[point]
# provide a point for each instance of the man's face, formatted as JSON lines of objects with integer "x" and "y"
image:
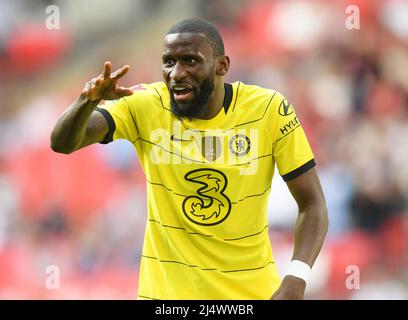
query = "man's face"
{"x": 188, "y": 70}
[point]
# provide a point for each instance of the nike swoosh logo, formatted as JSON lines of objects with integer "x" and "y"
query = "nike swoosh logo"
{"x": 173, "y": 138}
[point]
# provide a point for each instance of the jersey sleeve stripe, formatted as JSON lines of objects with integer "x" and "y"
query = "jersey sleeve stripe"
{"x": 236, "y": 97}
{"x": 227, "y": 97}
{"x": 252, "y": 121}
{"x": 298, "y": 126}
{"x": 299, "y": 171}
{"x": 134, "y": 122}
{"x": 161, "y": 101}
{"x": 111, "y": 123}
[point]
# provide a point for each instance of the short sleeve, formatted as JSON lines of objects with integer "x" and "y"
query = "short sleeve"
{"x": 121, "y": 121}
{"x": 291, "y": 149}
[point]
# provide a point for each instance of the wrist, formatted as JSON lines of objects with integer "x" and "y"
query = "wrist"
{"x": 299, "y": 270}
{"x": 85, "y": 100}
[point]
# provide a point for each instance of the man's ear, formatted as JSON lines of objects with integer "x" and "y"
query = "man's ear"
{"x": 223, "y": 63}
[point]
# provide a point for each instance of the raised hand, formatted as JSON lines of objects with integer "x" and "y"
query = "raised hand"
{"x": 105, "y": 86}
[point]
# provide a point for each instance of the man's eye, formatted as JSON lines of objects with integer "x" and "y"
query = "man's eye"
{"x": 169, "y": 63}
{"x": 191, "y": 60}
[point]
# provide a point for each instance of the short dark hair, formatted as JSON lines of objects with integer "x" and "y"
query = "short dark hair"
{"x": 201, "y": 26}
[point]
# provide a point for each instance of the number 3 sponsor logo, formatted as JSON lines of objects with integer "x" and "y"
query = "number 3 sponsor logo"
{"x": 209, "y": 206}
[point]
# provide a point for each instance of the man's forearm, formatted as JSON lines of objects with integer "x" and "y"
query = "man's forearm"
{"x": 70, "y": 130}
{"x": 310, "y": 231}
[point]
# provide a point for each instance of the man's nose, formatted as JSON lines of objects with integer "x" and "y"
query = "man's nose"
{"x": 178, "y": 72}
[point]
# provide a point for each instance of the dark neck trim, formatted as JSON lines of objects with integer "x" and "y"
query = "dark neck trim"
{"x": 227, "y": 97}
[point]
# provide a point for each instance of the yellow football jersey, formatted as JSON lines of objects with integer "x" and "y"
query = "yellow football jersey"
{"x": 208, "y": 184}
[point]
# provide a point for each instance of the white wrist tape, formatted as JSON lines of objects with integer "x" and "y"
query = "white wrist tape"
{"x": 299, "y": 269}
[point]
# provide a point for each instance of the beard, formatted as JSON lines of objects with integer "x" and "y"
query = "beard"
{"x": 198, "y": 106}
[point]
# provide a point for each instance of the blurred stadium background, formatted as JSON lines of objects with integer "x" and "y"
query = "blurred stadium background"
{"x": 85, "y": 212}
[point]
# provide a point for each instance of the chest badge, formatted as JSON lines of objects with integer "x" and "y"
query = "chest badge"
{"x": 239, "y": 145}
{"x": 211, "y": 147}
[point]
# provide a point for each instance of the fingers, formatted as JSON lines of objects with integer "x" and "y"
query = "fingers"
{"x": 105, "y": 84}
{"x": 107, "y": 69}
{"x": 120, "y": 73}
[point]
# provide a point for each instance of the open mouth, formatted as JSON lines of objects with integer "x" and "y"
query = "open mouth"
{"x": 182, "y": 92}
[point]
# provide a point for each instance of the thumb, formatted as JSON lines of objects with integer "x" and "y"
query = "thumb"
{"x": 122, "y": 91}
